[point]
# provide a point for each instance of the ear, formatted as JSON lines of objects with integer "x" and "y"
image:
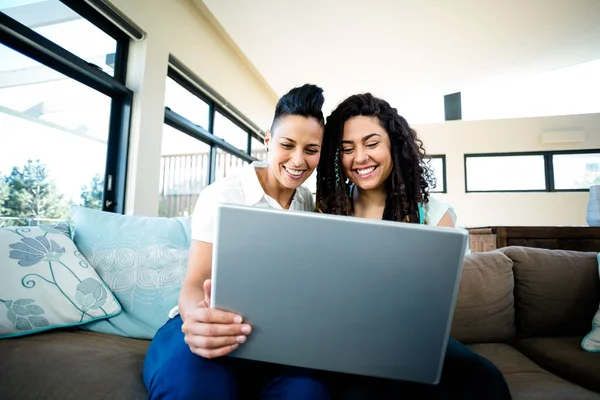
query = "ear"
{"x": 267, "y": 139}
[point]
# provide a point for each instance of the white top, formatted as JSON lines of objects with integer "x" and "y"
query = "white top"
{"x": 435, "y": 210}
{"x": 240, "y": 189}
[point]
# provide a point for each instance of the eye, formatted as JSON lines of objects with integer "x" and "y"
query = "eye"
{"x": 311, "y": 151}
{"x": 287, "y": 146}
{"x": 372, "y": 145}
{"x": 347, "y": 150}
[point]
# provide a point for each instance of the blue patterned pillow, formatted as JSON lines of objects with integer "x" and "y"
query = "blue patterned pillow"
{"x": 142, "y": 260}
{"x": 47, "y": 283}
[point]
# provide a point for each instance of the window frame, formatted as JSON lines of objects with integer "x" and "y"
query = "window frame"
{"x": 191, "y": 83}
{"x": 548, "y": 169}
{"x": 24, "y": 40}
{"x": 444, "y": 180}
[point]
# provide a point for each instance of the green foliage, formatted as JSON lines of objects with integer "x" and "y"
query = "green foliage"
{"x": 92, "y": 195}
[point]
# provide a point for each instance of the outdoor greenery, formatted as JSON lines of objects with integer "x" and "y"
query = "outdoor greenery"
{"x": 29, "y": 192}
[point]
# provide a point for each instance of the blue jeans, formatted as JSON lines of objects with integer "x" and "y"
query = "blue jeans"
{"x": 172, "y": 371}
{"x": 465, "y": 376}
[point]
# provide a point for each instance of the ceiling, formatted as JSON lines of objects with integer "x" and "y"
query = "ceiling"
{"x": 407, "y": 51}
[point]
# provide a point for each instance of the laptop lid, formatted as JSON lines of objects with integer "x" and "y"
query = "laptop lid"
{"x": 338, "y": 293}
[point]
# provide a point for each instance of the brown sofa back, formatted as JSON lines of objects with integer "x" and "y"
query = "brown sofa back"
{"x": 484, "y": 309}
{"x": 556, "y": 292}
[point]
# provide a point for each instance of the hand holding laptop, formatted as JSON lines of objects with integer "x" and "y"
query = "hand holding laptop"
{"x": 212, "y": 333}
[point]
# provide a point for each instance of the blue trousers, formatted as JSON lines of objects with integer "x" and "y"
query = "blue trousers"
{"x": 465, "y": 376}
{"x": 173, "y": 372}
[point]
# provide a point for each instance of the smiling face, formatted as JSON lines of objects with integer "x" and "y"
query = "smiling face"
{"x": 366, "y": 153}
{"x": 294, "y": 149}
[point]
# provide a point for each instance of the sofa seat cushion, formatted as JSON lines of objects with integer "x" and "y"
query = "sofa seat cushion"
{"x": 72, "y": 364}
{"x": 527, "y": 380}
{"x": 564, "y": 357}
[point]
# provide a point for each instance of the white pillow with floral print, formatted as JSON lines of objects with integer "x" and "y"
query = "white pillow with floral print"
{"x": 46, "y": 282}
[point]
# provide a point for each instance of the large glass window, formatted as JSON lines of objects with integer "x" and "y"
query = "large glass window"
{"x": 505, "y": 173}
{"x": 195, "y": 152}
{"x": 63, "y": 123}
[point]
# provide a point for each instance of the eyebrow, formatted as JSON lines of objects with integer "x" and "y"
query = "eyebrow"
{"x": 364, "y": 139}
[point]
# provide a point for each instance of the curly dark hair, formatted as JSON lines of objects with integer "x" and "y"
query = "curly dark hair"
{"x": 410, "y": 178}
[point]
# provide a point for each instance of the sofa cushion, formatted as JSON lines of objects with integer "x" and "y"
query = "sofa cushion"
{"x": 142, "y": 260}
{"x": 46, "y": 283}
{"x": 484, "y": 309}
{"x": 72, "y": 364}
{"x": 528, "y": 381}
{"x": 564, "y": 357}
{"x": 556, "y": 292}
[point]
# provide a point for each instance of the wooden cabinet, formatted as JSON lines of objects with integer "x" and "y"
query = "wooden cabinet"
{"x": 579, "y": 238}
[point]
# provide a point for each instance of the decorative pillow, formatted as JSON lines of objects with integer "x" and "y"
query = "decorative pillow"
{"x": 591, "y": 342}
{"x": 142, "y": 260}
{"x": 47, "y": 283}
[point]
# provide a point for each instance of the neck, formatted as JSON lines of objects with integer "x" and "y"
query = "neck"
{"x": 369, "y": 203}
{"x": 273, "y": 188}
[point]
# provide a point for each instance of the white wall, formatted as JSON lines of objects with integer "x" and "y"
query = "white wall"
{"x": 456, "y": 138}
{"x": 178, "y": 27}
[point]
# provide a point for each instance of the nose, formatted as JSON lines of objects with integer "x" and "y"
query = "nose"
{"x": 297, "y": 158}
{"x": 361, "y": 155}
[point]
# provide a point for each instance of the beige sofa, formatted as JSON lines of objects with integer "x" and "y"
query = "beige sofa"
{"x": 525, "y": 309}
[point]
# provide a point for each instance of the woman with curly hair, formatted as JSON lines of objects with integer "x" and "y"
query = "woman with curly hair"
{"x": 373, "y": 165}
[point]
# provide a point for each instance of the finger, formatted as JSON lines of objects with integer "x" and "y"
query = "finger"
{"x": 208, "y": 343}
{"x": 207, "y": 290}
{"x": 202, "y": 329}
{"x": 213, "y": 353}
{"x": 213, "y": 316}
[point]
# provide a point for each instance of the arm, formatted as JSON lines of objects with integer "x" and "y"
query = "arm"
{"x": 198, "y": 270}
{"x": 447, "y": 220}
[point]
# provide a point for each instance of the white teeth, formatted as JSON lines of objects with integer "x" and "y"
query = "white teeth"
{"x": 365, "y": 171}
{"x": 293, "y": 172}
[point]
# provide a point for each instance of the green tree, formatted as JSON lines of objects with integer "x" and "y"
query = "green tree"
{"x": 32, "y": 194}
{"x": 92, "y": 195}
{"x": 3, "y": 194}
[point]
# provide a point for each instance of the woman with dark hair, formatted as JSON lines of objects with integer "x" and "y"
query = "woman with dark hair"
{"x": 373, "y": 165}
{"x": 187, "y": 357}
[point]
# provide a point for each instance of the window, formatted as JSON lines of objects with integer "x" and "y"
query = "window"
{"x": 549, "y": 171}
{"x": 184, "y": 168}
{"x": 228, "y": 164}
{"x": 64, "y": 122}
{"x": 576, "y": 170}
{"x": 196, "y": 152}
{"x": 230, "y": 132}
{"x": 60, "y": 24}
{"x": 438, "y": 166}
{"x": 505, "y": 173}
{"x": 258, "y": 149}
{"x": 186, "y": 104}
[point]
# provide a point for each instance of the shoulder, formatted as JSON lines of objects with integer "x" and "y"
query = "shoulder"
{"x": 435, "y": 210}
{"x": 304, "y": 198}
{"x": 224, "y": 189}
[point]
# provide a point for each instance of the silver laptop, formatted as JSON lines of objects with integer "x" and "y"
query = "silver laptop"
{"x": 337, "y": 293}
